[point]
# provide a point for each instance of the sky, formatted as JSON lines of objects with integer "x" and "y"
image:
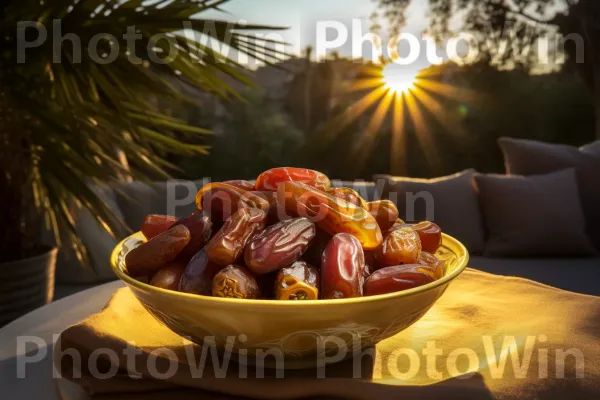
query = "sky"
{"x": 302, "y": 16}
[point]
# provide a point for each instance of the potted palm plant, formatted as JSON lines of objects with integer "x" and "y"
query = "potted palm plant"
{"x": 72, "y": 109}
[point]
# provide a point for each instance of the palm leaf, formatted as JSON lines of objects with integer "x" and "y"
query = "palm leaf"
{"x": 79, "y": 113}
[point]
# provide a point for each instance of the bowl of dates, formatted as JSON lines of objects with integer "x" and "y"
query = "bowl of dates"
{"x": 288, "y": 264}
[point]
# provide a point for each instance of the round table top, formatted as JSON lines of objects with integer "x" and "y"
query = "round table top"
{"x": 42, "y": 326}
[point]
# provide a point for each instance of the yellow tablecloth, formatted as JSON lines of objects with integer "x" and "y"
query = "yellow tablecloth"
{"x": 488, "y": 337}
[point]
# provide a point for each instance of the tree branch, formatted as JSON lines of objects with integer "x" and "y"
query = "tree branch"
{"x": 531, "y": 17}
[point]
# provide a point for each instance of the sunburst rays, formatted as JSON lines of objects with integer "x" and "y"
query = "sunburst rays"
{"x": 410, "y": 100}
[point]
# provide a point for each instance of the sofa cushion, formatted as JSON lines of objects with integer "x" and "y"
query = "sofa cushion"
{"x": 450, "y": 201}
{"x": 592, "y": 148}
{"x": 528, "y": 157}
{"x": 574, "y": 274}
{"x": 535, "y": 216}
{"x": 138, "y": 199}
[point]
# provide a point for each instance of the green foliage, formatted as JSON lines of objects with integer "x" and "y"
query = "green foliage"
{"x": 483, "y": 105}
{"x": 64, "y": 124}
{"x": 505, "y": 31}
{"x": 255, "y": 136}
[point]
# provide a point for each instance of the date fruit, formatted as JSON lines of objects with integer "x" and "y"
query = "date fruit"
{"x": 237, "y": 282}
{"x": 270, "y": 197}
{"x": 198, "y": 275}
{"x": 154, "y": 225}
{"x": 200, "y": 227}
{"x": 269, "y": 180}
{"x": 430, "y": 234}
{"x": 279, "y": 245}
{"x": 241, "y": 184}
{"x": 399, "y": 224}
{"x": 222, "y": 200}
{"x": 384, "y": 212}
{"x": 395, "y": 279}
{"x": 168, "y": 277}
{"x": 437, "y": 267}
{"x": 402, "y": 246}
{"x": 342, "y": 268}
{"x": 350, "y": 195}
{"x": 330, "y": 213}
{"x": 157, "y": 252}
{"x": 299, "y": 281}
{"x": 228, "y": 244}
{"x": 275, "y": 213}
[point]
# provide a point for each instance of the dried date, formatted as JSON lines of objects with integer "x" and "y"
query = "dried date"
{"x": 228, "y": 244}
{"x": 157, "y": 252}
{"x": 279, "y": 245}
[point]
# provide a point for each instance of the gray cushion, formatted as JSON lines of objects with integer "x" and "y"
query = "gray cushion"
{"x": 592, "y": 148}
{"x": 138, "y": 199}
{"x": 577, "y": 275}
{"x": 539, "y": 215}
{"x": 527, "y": 157}
{"x": 450, "y": 201}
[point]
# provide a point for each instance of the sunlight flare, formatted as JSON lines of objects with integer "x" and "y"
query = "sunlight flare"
{"x": 398, "y": 78}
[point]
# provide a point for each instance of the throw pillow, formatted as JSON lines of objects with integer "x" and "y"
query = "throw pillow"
{"x": 449, "y": 201}
{"x": 592, "y": 148}
{"x": 528, "y": 157}
{"x": 535, "y": 216}
{"x": 138, "y": 199}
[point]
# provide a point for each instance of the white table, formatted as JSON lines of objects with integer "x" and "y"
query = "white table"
{"x": 44, "y": 323}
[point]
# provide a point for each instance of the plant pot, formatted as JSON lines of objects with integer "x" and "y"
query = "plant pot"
{"x": 26, "y": 285}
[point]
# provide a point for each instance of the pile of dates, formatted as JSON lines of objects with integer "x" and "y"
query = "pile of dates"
{"x": 289, "y": 236}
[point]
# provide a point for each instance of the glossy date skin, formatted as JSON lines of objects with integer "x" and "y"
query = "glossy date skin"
{"x": 430, "y": 235}
{"x": 350, "y": 195}
{"x": 399, "y": 224}
{"x": 275, "y": 213}
{"x": 237, "y": 282}
{"x": 299, "y": 281}
{"x": 154, "y": 225}
{"x": 200, "y": 226}
{"x": 332, "y": 214}
{"x": 269, "y": 180}
{"x": 198, "y": 275}
{"x": 168, "y": 277}
{"x": 149, "y": 257}
{"x": 396, "y": 278}
{"x": 241, "y": 184}
{"x": 279, "y": 245}
{"x": 402, "y": 246}
{"x": 342, "y": 268}
{"x": 436, "y": 266}
{"x": 384, "y": 212}
{"x": 222, "y": 200}
{"x": 228, "y": 244}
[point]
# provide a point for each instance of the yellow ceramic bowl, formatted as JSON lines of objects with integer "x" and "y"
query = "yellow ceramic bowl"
{"x": 298, "y": 331}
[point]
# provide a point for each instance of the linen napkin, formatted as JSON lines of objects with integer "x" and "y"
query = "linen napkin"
{"x": 487, "y": 337}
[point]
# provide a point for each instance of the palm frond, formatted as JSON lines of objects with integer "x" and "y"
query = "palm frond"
{"x": 81, "y": 110}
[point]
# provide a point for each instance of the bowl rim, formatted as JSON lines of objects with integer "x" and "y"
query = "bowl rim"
{"x": 457, "y": 248}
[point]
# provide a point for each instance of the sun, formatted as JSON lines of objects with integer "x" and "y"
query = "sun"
{"x": 399, "y": 78}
